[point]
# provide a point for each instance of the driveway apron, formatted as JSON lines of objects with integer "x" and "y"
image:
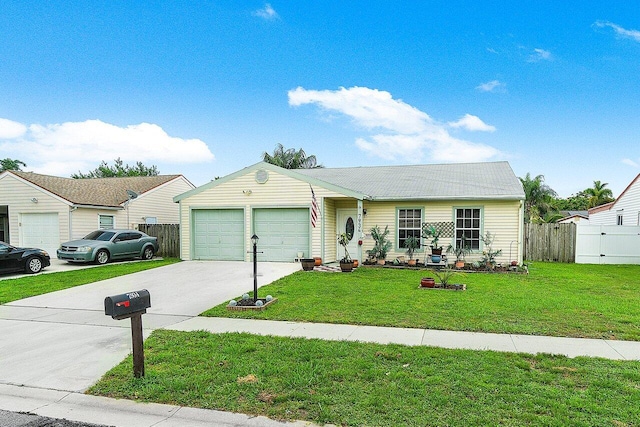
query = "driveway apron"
{"x": 64, "y": 341}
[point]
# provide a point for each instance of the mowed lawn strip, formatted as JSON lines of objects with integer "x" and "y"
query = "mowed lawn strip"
{"x": 347, "y": 383}
{"x": 24, "y": 287}
{"x": 568, "y": 300}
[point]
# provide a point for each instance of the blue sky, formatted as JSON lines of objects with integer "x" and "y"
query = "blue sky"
{"x": 203, "y": 88}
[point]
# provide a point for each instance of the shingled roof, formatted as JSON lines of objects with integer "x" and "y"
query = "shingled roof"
{"x": 110, "y": 192}
{"x": 461, "y": 181}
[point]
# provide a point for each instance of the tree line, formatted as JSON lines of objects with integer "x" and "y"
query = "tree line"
{"x": 542, "y": 203}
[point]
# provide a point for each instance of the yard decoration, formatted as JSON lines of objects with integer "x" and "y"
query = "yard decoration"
{"x": 427, "y": 282}
{"x": 346, "y": 263}
{"x": 431, "y": 232}
{"x": 461, "y": 250}
{"x": 382, "y": 244}
{"x": 444, "y": 276}
{"x": 411, "y": 243}
{"x": 489, "y": 255}
{"x": 308, "y": 264}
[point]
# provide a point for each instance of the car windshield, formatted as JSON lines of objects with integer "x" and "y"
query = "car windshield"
{"x": 99, "y": 235}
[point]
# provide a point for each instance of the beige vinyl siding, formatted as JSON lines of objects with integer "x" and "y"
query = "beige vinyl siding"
{"x": 280, "y": 191}
{"x": 17, "y": 195}
{"x": 86, "y": 220}
{"x": 157, "y": 203}
{"x": 330, "y": 233}
{"x": 499, "y": 217}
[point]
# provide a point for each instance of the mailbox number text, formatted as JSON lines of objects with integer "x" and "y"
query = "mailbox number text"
{"x": 133, "y": 295}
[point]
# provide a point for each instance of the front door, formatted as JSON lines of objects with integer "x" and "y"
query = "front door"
{"x": 347, "y": 224}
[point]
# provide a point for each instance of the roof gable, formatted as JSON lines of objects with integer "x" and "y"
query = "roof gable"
{"x": 610, "y": 205}
{"x": 111, "y": 192}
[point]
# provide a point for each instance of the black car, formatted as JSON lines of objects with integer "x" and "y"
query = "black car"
{"x": 29, "y": 260}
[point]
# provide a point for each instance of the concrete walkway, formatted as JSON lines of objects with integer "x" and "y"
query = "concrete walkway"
{"x": 570, "y": 347}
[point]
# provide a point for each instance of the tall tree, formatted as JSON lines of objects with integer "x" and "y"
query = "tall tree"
{"x": 118, "y": 170}
{"x": 538, "y": 197}
{"x": 290, "y": 158}
{"x": 11, "y": 164}
{"x": 598, "y": 194}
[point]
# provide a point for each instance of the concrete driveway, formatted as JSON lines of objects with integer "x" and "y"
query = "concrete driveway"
{"x": 64, "y": 341}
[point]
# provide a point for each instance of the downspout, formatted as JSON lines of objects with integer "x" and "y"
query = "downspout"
{"x": 359, "y": 230}
{"x": 521, "y": 234}
{"x": 71, "y": 210}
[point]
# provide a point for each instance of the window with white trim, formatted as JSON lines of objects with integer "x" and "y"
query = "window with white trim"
{"x": 619, "y": 219}
{"x": 106, "y": 222}
{"x": 409, "y": 224}
{"x": 468, "y": 225}
{"x": 150, "y": 220}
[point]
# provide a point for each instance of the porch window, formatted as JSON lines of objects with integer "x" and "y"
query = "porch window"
{"x": 106, "y": 222}
{"x": 409, "y": 224}
{"x": 468, "y": 225}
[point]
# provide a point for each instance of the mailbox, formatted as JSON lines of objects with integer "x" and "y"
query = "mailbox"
{"x": 127, "y": 305}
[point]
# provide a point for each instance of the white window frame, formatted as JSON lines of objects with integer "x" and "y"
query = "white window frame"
{"x": 150, "y": 219}
{"x": 619, "y": 219}
{"x": 113, "y": 221}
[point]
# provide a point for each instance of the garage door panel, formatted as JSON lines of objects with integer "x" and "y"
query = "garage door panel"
{"x": 219, "y": 234}
{"x": 282, "y": 232}
{"x": 40, "y": 230}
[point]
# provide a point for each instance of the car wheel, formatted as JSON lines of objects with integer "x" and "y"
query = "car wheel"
{"x": 147, "y": 253}
{"x": 102, "y": 257}
{"x": 33, "y": 265}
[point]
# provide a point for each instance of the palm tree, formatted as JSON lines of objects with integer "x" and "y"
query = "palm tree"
{"x": 11, "y": 164}
{"x": 538, "y": 197}
{"x": 290, "y": 158}
{"x": 599, "y": 195}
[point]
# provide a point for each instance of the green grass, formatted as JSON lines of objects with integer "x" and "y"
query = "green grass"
{"x": 348, "y": 383}
{"x": 24, "y": 287}
{"x": 571, "y": 300}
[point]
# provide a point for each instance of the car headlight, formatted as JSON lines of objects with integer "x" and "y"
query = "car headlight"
{"x": 87, "y": 249}
{"x": 45, "y": 253}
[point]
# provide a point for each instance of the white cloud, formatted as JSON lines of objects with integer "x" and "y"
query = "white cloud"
{"x": 399, "y": 129}
{"x": 540, "y": 55}
{"x": 267, "y": 12}
{"x": 622, "y": 32}
{"x": 472, "y": 123}
{"x": 63, "y": 149}
{"x": 492, "y": 86}
{"x": 630, "y": 163}
{"x": 10, "y": 129}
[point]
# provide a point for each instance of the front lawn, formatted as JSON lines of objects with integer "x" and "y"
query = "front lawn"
{"x": 571, "y": 300}
{"x": 29, "y": 286}
{"x": 347, "y": 383}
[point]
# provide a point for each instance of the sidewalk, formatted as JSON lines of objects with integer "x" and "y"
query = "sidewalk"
{"x": 570, "y": 347}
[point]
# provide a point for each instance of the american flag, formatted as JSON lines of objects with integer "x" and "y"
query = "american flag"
{"x": 314, "y": 208}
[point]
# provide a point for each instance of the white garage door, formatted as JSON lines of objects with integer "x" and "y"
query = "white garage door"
{"x": 282, "y": 233}
{"x": 218, "y": 234}
{"x": 40, "y": 230}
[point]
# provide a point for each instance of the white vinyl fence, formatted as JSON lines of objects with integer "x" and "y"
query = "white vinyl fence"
{"x": 607, "y": 244}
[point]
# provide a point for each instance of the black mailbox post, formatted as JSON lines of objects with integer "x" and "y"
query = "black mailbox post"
{"x": 131, "y": 305}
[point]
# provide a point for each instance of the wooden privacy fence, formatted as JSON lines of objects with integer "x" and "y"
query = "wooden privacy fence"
{"x": 168, "y": 238}
{"x": 550, "y": 242}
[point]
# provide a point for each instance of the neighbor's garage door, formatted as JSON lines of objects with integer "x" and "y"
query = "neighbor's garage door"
{"x": 40, "y": 230}
{"x": 282, "y": 233}
{"x": 218, "y": 234}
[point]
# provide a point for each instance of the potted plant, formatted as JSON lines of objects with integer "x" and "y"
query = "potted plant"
{"x": 461, "y": 250}
{"x": 381, "y": 246}
{"x": 346, "y": 263}
{"x": 308, "y": 264}
{"x": 411, "y": 243}
{"x": 489, "y": 255}
{"x": 431, "y": 232}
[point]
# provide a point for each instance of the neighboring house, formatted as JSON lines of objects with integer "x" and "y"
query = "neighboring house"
{"x": 625, "y": 210}
{"x": 43, "y": 211}
{"x": 218, "y": 219}
{"x": 575, "y": 217}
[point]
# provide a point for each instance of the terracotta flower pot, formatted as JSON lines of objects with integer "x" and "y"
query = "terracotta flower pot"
{"x": 318, "y": 261}
{"x": 355, "y": 263}
{"x": 381, "y": 262}
{"x": 428, "y": 282}
{"x": 412, "y": 262}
